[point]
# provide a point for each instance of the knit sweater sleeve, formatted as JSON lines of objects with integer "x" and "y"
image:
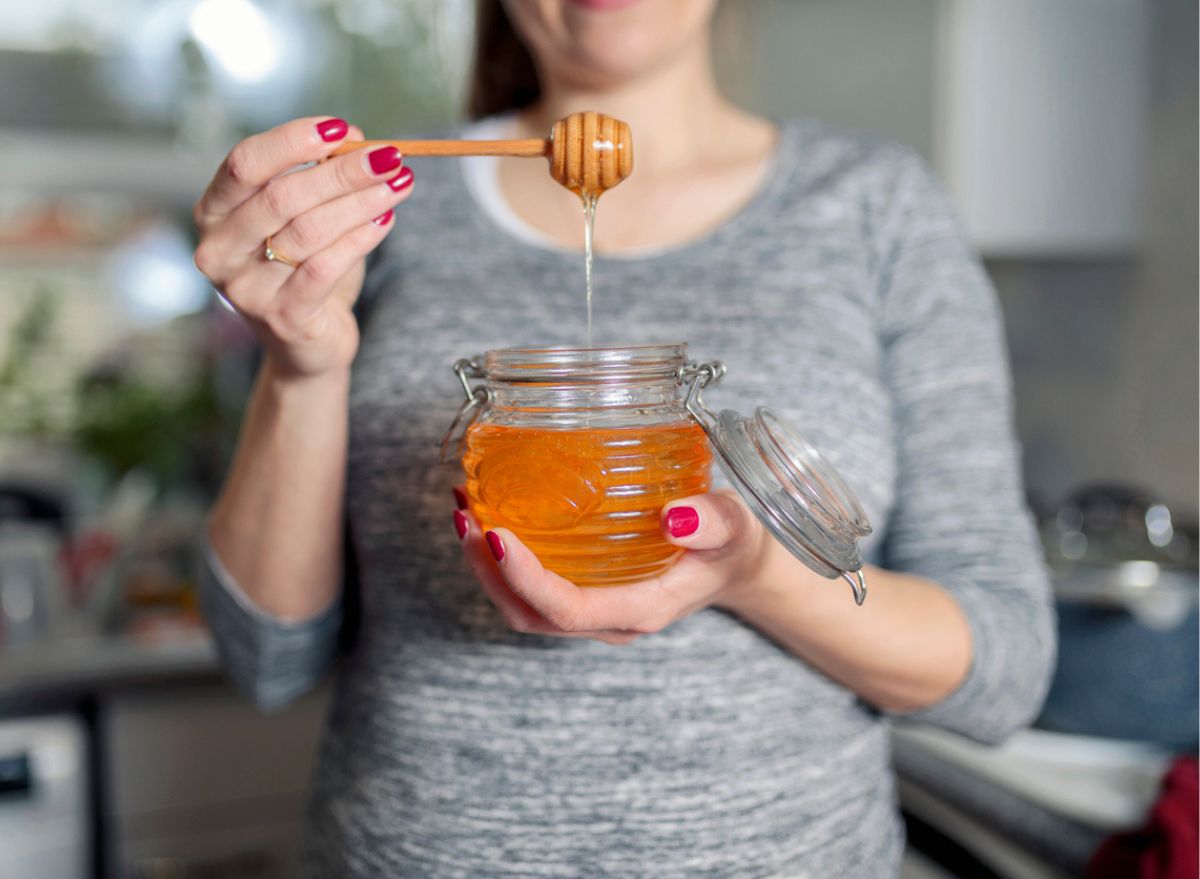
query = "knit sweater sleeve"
{"x": 960, "y": 517}
{"x": 270, "y": 660}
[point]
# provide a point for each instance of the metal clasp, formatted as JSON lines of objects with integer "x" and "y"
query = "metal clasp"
{"x": 476, "y": 397}
{"x": 702, "y": 376}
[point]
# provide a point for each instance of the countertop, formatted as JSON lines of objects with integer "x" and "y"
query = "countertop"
{"x": 63, "y": 669}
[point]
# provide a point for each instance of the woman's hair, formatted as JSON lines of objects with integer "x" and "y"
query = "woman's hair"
{"x": 503, "y": 76}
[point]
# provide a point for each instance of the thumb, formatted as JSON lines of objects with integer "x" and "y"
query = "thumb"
{"x": 707, "y": 521}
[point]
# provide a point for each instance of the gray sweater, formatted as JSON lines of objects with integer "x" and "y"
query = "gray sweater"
{"x": 844, "y": 296}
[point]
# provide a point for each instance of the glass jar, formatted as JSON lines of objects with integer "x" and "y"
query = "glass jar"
{"x": 576, "y": 451}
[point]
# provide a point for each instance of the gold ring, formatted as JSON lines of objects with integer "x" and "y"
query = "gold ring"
{"x": 274, "y": 255}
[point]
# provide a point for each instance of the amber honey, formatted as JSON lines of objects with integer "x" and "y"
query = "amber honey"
{"x": 586, "y": 501}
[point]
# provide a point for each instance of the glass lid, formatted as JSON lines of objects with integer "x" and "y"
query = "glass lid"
{"x": 795, "y": 492}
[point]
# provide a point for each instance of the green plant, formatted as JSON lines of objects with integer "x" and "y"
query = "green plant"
{"x": 124, "y": 422}
{"x": 26, "y": 406}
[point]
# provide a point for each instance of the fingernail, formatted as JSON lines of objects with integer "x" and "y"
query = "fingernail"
{"x": 332, "y": 129}
{"x": 384, "y": 218}
{"x": 460, "y": 524}
{"x": 460, "y": 499}
{"x": 403, "y": 180}
{"x": 496, "y": 545}
{"x": 682, "y": 521}
{"x": 384, "y": 159}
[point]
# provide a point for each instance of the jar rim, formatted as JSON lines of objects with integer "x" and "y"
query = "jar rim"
{"x": 618, "y": 364}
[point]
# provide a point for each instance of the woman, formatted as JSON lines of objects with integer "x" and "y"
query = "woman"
{"x": 730, "y": 718}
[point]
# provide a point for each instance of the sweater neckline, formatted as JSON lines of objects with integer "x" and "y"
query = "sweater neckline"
{"x": 495, "y": 218}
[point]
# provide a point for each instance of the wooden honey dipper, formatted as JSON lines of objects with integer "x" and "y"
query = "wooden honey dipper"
{"x": 588, "y": 152}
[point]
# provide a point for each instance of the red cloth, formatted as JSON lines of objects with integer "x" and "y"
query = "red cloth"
{"x": 1167, "y": 847}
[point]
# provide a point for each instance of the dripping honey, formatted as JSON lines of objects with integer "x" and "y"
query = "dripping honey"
{"x": 589, "y": 233}
{"x": 595, "y": 157}
{"x": 586, "y": 502}
{"x": 589, "y": 199}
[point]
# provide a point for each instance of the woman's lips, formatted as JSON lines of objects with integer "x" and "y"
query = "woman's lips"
{"x": 600, "y": 5}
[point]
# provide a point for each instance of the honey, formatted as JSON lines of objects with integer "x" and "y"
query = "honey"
{"x": 587, "y": 501}
{"x": 589, "y": 233}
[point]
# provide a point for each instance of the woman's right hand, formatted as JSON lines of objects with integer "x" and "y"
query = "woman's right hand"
{"x": 325, "y": 218}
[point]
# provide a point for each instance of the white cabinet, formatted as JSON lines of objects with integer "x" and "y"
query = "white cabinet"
{"x": 200, "y": 782}
{"x": 1039, "y": 122}
{"x": 1032, "y": 111}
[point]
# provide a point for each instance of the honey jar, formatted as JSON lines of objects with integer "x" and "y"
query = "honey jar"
{"x": 577, "y": 450}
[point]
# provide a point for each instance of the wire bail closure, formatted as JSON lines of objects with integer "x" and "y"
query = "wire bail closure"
{"x": 476, "y": 396}
{"x": 703, "y": 375}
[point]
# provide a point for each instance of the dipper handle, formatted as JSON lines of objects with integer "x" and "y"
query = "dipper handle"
{"x": 522, "y": 148}
{"x": 588, "y": 152}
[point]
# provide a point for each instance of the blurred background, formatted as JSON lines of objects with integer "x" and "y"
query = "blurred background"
{"x": 1067, "y": 133}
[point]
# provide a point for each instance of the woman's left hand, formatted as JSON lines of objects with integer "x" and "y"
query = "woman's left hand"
{"x": 728, "y": 551}
{"x": 907, "y": 649}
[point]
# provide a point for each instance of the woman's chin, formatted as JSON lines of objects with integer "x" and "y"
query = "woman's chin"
{"x": 612, "y": 62}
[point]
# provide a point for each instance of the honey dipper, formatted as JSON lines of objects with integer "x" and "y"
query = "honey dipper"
{"x": 588, "y": 152}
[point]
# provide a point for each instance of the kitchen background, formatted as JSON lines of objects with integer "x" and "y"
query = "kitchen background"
{"x": 1067, "y": 131}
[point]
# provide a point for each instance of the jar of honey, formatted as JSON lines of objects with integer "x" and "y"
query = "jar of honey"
{"x": 577, "y": 450}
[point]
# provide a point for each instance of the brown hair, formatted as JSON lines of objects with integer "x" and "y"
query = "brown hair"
{"x": 503, "y": 76}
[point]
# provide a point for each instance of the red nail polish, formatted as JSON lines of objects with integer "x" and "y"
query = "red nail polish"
{"x": 403, "y": 180}
{"x": 496, "y": 545}
{"x": 460, "y": 524}
{"x": 384, "y": 218}
{"x": 460, "y": 499}
{"x": 682, "y": 521}
{"x": 332, "y": 129}
{"x": 384, "y": 159}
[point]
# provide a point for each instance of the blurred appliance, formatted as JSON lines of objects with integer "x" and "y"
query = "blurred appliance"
{"x": 1128, "y": 594}
{"x": 44, "y": 798}
{"x": 1036, "y": 807}
{"x": 30, "y": 589}
{"x": 31, "y": 531}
